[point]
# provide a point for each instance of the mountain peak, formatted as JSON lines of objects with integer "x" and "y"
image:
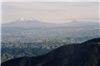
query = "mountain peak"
{"x": 21, "y": 19}
{"x": 27, "y": 20}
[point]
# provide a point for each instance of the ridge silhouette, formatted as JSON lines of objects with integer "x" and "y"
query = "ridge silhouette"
{"x": 83, "y": 54}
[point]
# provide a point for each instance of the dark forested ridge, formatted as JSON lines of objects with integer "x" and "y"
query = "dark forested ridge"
{"x": 84, "y": 54}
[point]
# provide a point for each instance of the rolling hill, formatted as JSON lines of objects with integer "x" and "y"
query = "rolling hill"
{"x": 68, "y": 55}
{"x": 33, "y": 30}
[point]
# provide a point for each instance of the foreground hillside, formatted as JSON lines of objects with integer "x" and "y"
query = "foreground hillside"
{"x": 84, "y": 54}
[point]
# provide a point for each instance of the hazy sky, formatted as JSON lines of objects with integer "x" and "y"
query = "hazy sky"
{"x": 51, "y": 0}
{"x": 52, "y": 12}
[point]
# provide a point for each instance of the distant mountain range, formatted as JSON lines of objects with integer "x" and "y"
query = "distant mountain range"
{"x": 37, "y": 24}
{"x": 85, "y": 54}
{"x": 30, "y": 30}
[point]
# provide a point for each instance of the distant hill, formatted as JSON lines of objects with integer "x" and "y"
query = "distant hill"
{"x": 68, "y": 55}
{"x": 28, "y": 31}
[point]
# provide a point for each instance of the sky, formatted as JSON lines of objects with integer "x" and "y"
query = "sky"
{"x": 51, "y": 0}
{"x": 51, "y": 12}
